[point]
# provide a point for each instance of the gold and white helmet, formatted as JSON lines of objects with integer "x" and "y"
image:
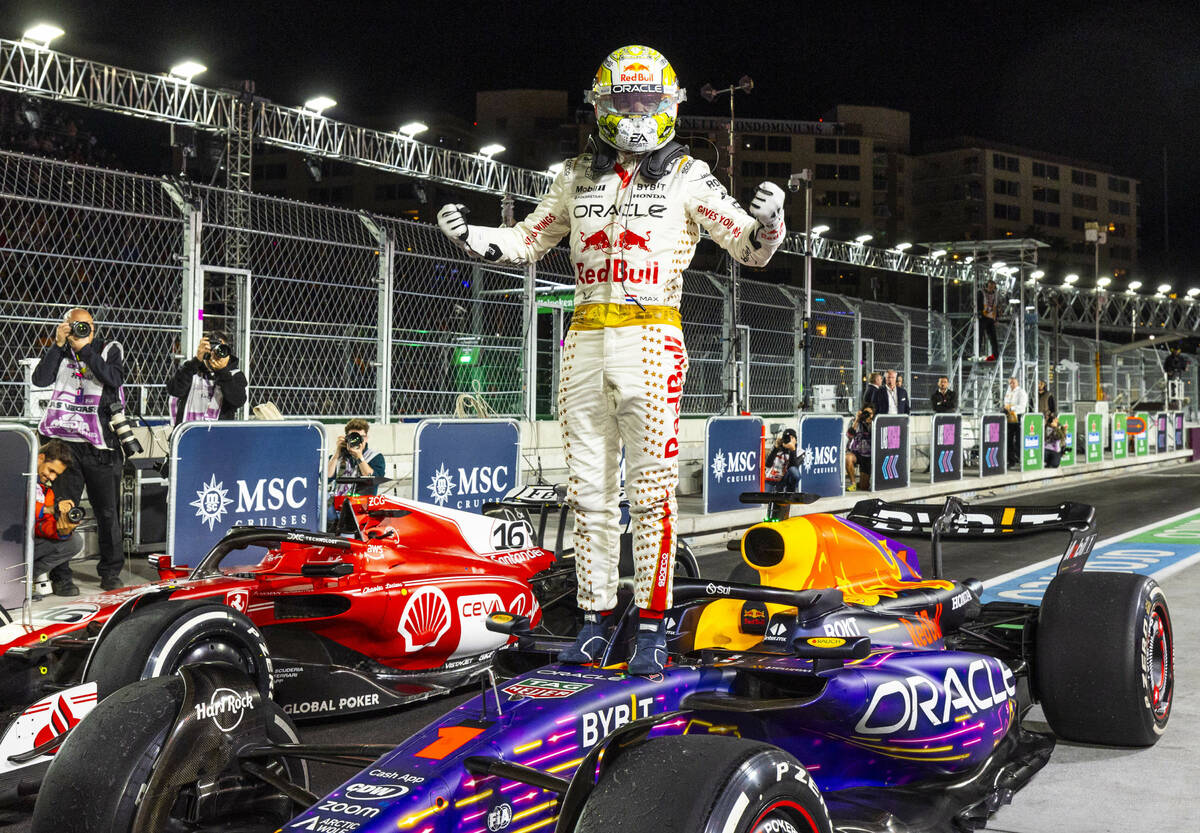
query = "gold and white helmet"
{"x": 636, "y": 96}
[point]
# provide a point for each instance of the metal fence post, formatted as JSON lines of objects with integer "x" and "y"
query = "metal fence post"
{"x": 192, "y": 275}
{"x": 383, "y": 342}
{"x": 858, "y": 354}
{"x": 907, "y": 347}
{"x": 529, "y": 330}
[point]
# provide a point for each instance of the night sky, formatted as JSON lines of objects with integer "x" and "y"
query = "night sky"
{"x": 1114, "y": 84}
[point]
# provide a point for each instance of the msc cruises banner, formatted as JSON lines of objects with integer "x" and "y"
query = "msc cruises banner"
{"x": 18, "y": 472}
{"x": 1094, "y": 441}
{"x": 992, "y": 456}
{"x": 945, "y": 458}
{"x": 465, "y": 463}
{"x": 1032, "y": 437}
{"x": 1067, "y": 421}
{"x": 732, "y": 461}
{"x": 889, "y": 452}
{"x": 822, "y": 439}
{"x": 227, "y": 474}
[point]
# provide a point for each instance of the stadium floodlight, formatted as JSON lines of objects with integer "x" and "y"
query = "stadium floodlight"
{"x": 1164, "y": 288}
{"x": 41, "y": 34}
{"x": 1135, "y": 285}
{"x": 862, "y": 239}
{"x": 903, "y": 247}
{"x": 969, "y": 259}
{"x": 412, "y": 128}
{"x": 817, "y": 231}
{"x": 319, "y": 104}
{"x": 1103, "y": 282}
{"x": 556, "y": 168}
{"x": 1193, "y": 292}
{"x": 937, "y": 254}
{"x": 1036, "y": 274}
{"x": 491, "y": 150}
{"x": 997, "y": 265}
{"x": 186, "y": 71}
{"x": 1070, "y": 279}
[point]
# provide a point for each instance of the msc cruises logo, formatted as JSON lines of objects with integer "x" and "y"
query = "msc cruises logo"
{"x": 211, "y": 500}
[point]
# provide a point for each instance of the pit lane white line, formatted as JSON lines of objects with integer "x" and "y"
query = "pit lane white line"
{"x": 1174, "y": 568}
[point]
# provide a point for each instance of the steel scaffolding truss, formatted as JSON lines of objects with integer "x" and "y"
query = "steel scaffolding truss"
{"x": 1119, "y": 312}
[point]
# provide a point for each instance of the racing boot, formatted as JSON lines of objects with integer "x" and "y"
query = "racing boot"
{"x": 649, "y": 648}
{"x": 592, "y": 639}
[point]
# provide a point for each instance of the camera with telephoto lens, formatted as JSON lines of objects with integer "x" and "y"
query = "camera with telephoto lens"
{"x": 76, "y": 514}
{"x": 219, "y": 350}
{"x": 80, "y": 329}
{"x": 354, "y": 439}
{"x": 124, "y": 431}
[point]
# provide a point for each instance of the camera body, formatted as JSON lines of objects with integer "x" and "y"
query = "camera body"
{"x": 124, "y": 431}
{"x": 76, "y": 514}
{"x": 80, "y": 329}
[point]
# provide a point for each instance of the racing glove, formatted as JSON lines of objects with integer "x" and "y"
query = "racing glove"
{"x": 767, "y": 208}
{"x": 453, "y": 223}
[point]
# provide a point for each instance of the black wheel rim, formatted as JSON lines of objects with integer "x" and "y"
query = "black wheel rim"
{"x": 1161, "y": 666}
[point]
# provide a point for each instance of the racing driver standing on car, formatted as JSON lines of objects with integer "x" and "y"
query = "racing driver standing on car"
{"x": 633, "y": 206}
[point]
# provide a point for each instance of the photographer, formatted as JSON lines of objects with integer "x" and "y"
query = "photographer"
{"x": 208, "y": 386}
{"x": 87, "y": 413}
{"x": 352, "y": 457}
{"x": 783, "y": 468}
{"x": 858, "y": 449}
{"x": 55, "y": 541}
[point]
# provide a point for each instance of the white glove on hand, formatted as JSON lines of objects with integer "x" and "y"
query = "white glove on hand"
{"x": 452, "y": 221}
{"x": 767, "y": 208}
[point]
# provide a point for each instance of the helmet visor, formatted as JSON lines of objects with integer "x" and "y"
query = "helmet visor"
{"x": 634, "y": 103}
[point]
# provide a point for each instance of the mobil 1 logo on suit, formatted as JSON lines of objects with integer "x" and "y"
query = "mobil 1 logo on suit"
{"x": 463, "y": 464}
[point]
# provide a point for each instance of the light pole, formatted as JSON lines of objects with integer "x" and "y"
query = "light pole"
{"x": 805, "y": 178}
{"x": 739, "y": 399}
{"x": 1093, "y": 234}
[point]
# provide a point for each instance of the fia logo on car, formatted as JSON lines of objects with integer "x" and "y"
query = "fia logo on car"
{"x": 500, "y": 817}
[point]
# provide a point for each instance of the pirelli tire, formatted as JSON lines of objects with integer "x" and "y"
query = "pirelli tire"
{"x": 160, "y": 638}
{"x": 95, "y": 782}
{"x": 704, "y": 784}
{"x": 1106, "y": 658}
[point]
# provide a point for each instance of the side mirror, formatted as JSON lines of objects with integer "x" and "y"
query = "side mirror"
{"x": 326, "y": 569}
{"x": 161, "y": 562}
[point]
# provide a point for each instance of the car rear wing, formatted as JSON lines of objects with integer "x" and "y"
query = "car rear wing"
{"x": 962, "y": 521}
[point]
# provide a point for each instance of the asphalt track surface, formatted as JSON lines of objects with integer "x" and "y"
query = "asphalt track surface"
{"x": 1083, "y": 789}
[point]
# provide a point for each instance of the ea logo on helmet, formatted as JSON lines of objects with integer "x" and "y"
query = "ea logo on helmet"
{"x": 500, "y": 817}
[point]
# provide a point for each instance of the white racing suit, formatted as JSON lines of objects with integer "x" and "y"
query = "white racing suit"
{"x": 624, "y": 360}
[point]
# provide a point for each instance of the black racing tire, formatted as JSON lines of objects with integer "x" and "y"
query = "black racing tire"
{"x": 1105, "y": 658}
{"x": 159, "y": 639}
{"x": 743, "y": 573}
{"x": 94, "y": 783}
{"x": 704, "y": 784}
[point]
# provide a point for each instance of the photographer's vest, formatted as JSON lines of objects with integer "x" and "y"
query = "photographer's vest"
{"x": 73, "y": 413}
{"x": 348, "y": 468}
{"x": 203, "y": 402}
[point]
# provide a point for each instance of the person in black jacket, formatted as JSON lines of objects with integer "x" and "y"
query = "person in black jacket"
{"x": 209, "y": 386}
{"x": 944, "y": 400}
{"x": 891, "y": 398}
{"x": 86, "y": 374}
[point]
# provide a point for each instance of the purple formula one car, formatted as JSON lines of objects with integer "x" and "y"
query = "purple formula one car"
{"x": 842, "y": 692}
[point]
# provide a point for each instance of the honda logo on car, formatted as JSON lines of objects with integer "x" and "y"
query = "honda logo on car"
{"x": 375, "y": 792}
{"x": 902, "y": 702}
{"x": 597, "y": 724}
{"x": 225, "y": 708}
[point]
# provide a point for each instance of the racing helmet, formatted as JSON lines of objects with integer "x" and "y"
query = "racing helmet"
{"x": 636, "y": 96}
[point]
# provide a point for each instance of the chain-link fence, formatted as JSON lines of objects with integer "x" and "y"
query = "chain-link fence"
{"x": 343, "y": 314}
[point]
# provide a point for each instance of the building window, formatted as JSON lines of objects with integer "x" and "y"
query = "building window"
{"x": 1050, "y": 195}
{"x": 1002, "y": 211}
{"x": 1121, "y": 186}
{"x": 1049, "y": 219}
{"x": 1118, "y": 207}
{"x": 1077, "y": 223}
{"x": 1043, "y": 171}
{"x": 779, "y": 170}
{"x": 752, "y": 168}
{"x": 779, "y": 143}
{"x": 1008, "y": 187}
{"x": 1004, "y": 162}
{"x": 848, "y": 146}
{"x": 843, "y": 199}
{"x": 1118, "y": 230}
{"x": 1120, "y": 252}
{"x": 848, "y": 172}
{"x": 826, "y": 172}
{"x": 1085, "y": 201}
{"x": 1084, "y": 178}
{"x": 826, "y": 146}
{"x": 752, "y": 141}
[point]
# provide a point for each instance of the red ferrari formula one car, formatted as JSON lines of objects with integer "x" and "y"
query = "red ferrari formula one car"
{"x": 389, "y": 609}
